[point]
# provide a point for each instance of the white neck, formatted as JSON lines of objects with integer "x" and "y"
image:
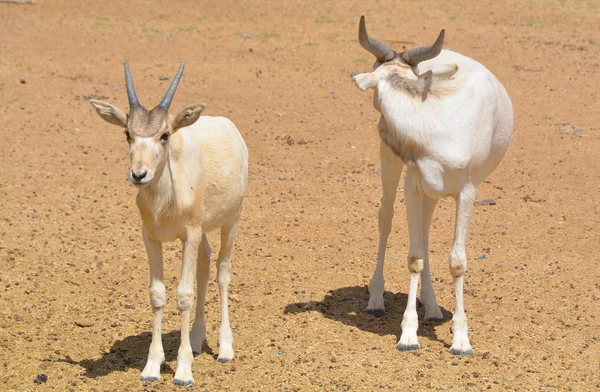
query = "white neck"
{"x": 159, "y": 196}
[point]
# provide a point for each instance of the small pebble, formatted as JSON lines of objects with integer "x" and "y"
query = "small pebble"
{"x": 164, "y": 77}
{"x": 486, "y": 202}
{"x": 573, "y": 129}
{"x": 40, "y": 378}
{"x": 246, "y": 35}
{"x": 83, "y": 323}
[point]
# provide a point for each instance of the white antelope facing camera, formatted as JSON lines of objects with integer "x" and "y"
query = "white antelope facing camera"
{"x": 449, "y": 121}
{"x": 191, "y": 173}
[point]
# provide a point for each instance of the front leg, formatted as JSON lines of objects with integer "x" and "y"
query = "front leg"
{"x": 458, "y": 267}
{"x": 156, "y": 355}
{"x": 391, "y": 167}
{"x": 185, "y": 297}
{"x": 413, "y": 195}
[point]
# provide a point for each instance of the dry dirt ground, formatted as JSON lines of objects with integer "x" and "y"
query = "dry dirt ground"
{"x": 73, "y": 273}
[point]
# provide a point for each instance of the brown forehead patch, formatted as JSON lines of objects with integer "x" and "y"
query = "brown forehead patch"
{"x": 146, "y": 123}
{"x": 398, "y": 61}
{"x": 395, "y": 61}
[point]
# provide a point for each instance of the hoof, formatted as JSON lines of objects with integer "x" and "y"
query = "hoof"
{"x": 224, "y": 360}
{"x": 183, "y": 383}
{"x": 376, "y": 312}
{"x": 411, "y": 347}
{"x": 454, "y": 351}
{"x": 435, "y": 320}
{"x": 148, "y": 379}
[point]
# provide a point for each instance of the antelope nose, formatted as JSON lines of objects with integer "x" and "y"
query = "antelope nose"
{"x": 138, "y": 176}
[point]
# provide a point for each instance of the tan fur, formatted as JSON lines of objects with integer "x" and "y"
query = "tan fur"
{"x": 190, "y": 183}
{"x": 197, "y": 202}
{"x": 438, "y": 83}
{"x": 187, "y": 116}
{"x": 424, "y": 87}
{"x": 415, "y": 264}
{"x": 109, "y": 113}
{"x": 405, "y": 148}
{"x": 175, "y": 146}
{"x": 146, "y": 123}
{"x": 396, "y": 62}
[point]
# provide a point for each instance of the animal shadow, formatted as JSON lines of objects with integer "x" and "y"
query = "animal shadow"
{"x": 347, "y": 305}
{"x": 132, "y": 352}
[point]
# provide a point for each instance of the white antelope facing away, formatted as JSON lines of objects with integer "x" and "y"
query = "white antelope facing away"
{"x": 449, "y": 120}
{"x": 191, "y": 173}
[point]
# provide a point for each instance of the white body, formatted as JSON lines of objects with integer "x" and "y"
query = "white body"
{"x": 199, "y": 189}
{"x": 451, "y": 138}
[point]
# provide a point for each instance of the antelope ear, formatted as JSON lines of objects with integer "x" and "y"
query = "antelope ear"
{"x": 445, "y": 71}
{"x": 110, "y": 113}
{"x": 365, "y": 81}
{"x": 187, "y": 116}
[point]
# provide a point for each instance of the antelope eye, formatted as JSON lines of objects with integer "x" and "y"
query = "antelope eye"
{"x": 127, "y": 135}
{"x": 164, "y": 137}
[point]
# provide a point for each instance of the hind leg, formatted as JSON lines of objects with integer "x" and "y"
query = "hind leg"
{"x": 427, "y": 295}
{"x": 228, "y": 233}
{"x": 198, "y": 335}
{"x": 391, "y": 168}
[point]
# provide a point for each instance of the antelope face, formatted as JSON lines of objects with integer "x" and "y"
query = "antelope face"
{"x": 390, "y": 62}
{"x": 395, "y": 66}
{"x": 148, "y": 131}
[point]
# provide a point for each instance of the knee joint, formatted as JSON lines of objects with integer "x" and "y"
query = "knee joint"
{"x": 157, "y": 294}
{"x": 458, "y": 266}
{"x": 385, "y": 215}
{"x": 415, "y": 264}
{"x": 223, "y": 279}
{"x": 184, "y": 299}
{"x": 224, "y": 272}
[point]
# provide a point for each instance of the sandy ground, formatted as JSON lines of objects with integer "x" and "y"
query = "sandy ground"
{"x": 70, "y": 247}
